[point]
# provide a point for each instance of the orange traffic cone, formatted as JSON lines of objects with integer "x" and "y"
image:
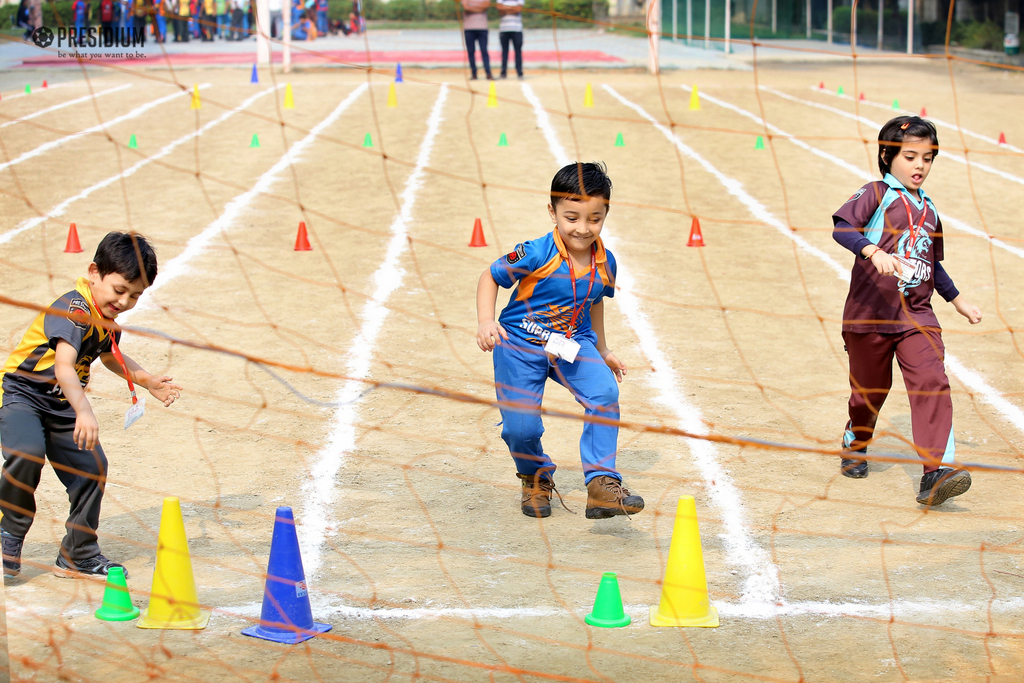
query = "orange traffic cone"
{"x": 862, "y": 98}
{"x": 302, "y": 239}
{"x": 73, "y": 246}
{"x": 1002, "y": 138}
{"x": 821, "y": 86}
{"x": 44, "y": 84}
{"x": 478, "y": 235}
{"x": 696, "y": 238}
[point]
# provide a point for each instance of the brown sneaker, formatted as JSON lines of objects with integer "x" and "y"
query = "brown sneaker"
{"x": 536, "y": 495}
{"x": 606, "y": 498}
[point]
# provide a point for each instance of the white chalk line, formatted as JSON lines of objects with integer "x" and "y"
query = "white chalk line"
{"x": 69, "y": 103}
{"x": 61, "y": 208}
{"x": 863, "y": 119}
{"x": 937, "y": 122}
{"x": 761, "y": 582}
{"x": 969, "y": 377}
{"x": 138, "y": 111}
{"x": 863, "y": 175}
{"x": 318, "y": 490}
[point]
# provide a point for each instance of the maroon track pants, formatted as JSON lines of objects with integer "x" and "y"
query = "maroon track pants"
{"x": 920, "y": 354}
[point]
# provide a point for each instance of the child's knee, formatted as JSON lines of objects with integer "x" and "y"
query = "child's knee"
{"x": 522, "y": 428}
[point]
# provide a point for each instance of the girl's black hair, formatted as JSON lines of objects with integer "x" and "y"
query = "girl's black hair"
{"x": 891, "y": 137}
{"x": 577, "y": 180}
{"x": 128, "y": 254}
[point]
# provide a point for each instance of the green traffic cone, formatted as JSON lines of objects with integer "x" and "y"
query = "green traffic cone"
{"x": 117, "y": 602}
{"x": 255, "y": 141}
{"x": 760, "y": 143}
{"x": 367, "y": 141}
{"x": 840, "y": 91}
{"x": 28, "y": 89}
{"x": 608, "y": 611}
{"x": 619, "y": 142}
{"x": 132, "y": 143}
{"x": 895, "y": 105}
{"x": 502, "y": 141}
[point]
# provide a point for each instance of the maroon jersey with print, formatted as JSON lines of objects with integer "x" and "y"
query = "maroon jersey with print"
{"x": 884, "y": 303}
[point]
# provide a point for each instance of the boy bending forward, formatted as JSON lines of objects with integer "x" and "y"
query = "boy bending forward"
{"x": 44, "y": 412}
{"x": 553, "y": 326}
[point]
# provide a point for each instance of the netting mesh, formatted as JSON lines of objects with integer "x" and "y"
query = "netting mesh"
{"x": 344, "y": 382}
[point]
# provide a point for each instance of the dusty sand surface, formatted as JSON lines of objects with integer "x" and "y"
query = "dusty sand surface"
{"x": 427, "y": 568}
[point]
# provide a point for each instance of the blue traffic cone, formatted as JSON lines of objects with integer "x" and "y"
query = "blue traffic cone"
{"x": 398, "y": 73}
{"x": 255, "y": 76}
{"x": 287, "y": 617}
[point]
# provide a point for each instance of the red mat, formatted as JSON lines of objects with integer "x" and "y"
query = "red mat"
{"x": 306, "y": 55}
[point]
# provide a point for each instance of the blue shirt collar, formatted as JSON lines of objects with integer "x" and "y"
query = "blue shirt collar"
{"x": 895, "y": 184}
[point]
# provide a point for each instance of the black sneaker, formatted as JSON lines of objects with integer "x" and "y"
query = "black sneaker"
{"x": 854, "y": 469}
{"x": 12, "y": 553}
{"x": 939, "y": 486}
{"x": 94, "y": 566}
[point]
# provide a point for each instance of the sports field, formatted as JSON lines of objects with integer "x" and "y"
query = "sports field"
{"x": 345, "y": 381}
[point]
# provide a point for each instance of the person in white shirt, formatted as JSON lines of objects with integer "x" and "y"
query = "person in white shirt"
{"x": 474, "y": 25}
{"x": 510, "y": 30}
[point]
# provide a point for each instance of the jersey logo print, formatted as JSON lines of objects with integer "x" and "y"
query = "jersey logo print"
{"x": 78, "y": 313}
{"x": 857, "y": 194}
{"x": 516, "y": 255}
{"x": 918, "y": 253}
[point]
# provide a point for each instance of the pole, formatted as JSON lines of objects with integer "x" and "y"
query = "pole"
{"x": 910, "y": 27}
{"x": 653, "y": 34}
{"x": 675, "y": 21}
{"x": 829, "y": 22}
{"x": 262, "y": 32}
{"x": 707, "y": 24}
{"x": 853, "y": 25}
{"x": 808, "y": 19}
{"x": 689, "y": 22}
{"x": 881, "y": 13}
{"x": 286, "y": 44}
{"x": 728, "y": 23}
{"x": 775, "y": 16}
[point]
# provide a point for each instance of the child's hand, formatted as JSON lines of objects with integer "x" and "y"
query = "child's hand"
{"x": 617, "y": 366}
{"x": 87, "y": 431}
{"x": 884, "y": 263}
{"x": 969, "y": 311}
{"x": 163, "y": 390}
{"x": 489, "y": 334}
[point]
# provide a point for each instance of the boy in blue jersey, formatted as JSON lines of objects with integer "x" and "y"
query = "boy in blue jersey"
{"x": 553, "y": 326}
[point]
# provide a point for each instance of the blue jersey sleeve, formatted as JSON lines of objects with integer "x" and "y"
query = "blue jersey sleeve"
{"x": 517, "y": 264}
{"x": 613, "y": 270}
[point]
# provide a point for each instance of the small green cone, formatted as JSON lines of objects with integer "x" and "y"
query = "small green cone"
{"x": 502, "y": 141}
{"x": 117, "y": 602}
{"x": 840, "y": 91}
{"x": 132, "y": 143}
{"x": 619, "y": 142}
{"x": 895, "y": 105}
{"x": 367, "y": 141}
{"x": 760, "y": 143}
{"x": 255, "y": 141}
{"x": 608, "y": 612}
{"x": 28, "y": 89}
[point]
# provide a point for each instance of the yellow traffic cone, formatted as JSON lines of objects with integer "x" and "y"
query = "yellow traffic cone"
{"x": 173, "y": 603}
{"x": 392, "y": 95}
{"x": 492, "y": 97}
{"x": 588, "y": 97}
{"x": 289, "y": 101}
{"x": 694, "y": 100}
{"x": 684, "y": 592}
{"x": 196, "y": 104}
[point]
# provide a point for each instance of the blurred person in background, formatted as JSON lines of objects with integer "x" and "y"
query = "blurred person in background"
{"x": 474, "y": 26}
{"x": 510, "y": 31}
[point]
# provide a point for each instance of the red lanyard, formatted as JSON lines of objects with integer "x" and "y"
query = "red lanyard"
{"x": 910, "y": 219}
{"x": 572, "y": 274}
{"x": 116, "y": 351}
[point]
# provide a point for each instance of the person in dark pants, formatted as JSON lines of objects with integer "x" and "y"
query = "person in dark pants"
{"x": 510, "y": 31}
{"x": 45, "y": 413}
{"x": 474, "y": 25}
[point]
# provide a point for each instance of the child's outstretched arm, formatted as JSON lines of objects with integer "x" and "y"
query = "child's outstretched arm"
{"x": 160, "y": 386}
{"x": 87, "y": 429}
{"x": 488, "y": 332}
{"x": 597, "y": 323}
{"x": 967, "y": 310}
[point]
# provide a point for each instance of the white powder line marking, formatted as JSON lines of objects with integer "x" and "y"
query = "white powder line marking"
{"x": 1010, "y": 412}
{"x": 69, "y": 103}
{"x": 937, "y": 122}
{"x": 863, "y": 175}
{"x": 318, "y": 491}
{"x": 761, "y": 582}
{"x": 138, "y": 111}
{"x": 863, "y": 119}
{"x": 179, "y": 265}
{"x": 61, "y": 208}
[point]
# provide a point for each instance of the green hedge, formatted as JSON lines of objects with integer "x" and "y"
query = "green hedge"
{"x": 448, "y": 10}
{"x": 867, "y": 22}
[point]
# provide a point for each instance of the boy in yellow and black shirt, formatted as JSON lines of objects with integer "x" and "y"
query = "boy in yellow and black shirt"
{"x": 44, "y": 412}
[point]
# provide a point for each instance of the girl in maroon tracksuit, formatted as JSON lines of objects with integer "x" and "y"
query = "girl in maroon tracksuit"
{"x": 892, "y": 226}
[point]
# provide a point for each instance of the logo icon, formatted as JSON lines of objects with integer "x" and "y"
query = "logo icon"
{"x": 42, "y": 37}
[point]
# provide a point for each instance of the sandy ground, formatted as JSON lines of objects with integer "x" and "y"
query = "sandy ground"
{"x": 427, "y": 568}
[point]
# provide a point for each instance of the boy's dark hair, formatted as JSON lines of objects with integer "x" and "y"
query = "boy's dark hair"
{"x": 128, "y": 254}
{"x": 891, "y": 137}
{"x": 593, "y": 177}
